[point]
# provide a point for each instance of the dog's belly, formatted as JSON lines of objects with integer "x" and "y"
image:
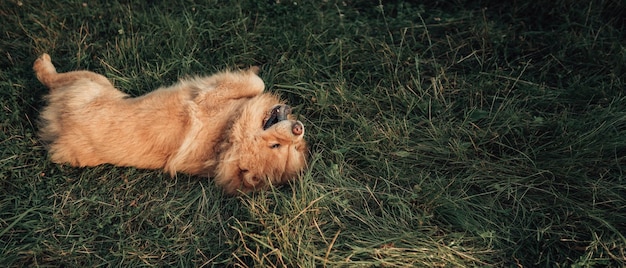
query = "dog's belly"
{"x": 98, "y": 126}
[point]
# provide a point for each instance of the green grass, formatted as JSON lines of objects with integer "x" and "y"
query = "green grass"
{"x": 445, "y": 134}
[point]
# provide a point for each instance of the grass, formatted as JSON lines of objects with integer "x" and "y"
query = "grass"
{"x": 443, "y": 134}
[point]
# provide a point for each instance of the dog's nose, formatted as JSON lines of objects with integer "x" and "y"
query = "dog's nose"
{"x": 297, "y": 129}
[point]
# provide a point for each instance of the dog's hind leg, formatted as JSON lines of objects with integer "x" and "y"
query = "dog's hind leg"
{"x": 47, "y": 75}
{"x": 44, "y": 69}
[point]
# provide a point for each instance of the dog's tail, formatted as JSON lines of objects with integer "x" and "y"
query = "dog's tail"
{"x": 45, "y": 71}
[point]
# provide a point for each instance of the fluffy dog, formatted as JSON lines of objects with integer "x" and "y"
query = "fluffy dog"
{"x": 222, "y": 126}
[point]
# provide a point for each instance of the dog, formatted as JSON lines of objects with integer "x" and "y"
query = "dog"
{"x": 221, "y": 126}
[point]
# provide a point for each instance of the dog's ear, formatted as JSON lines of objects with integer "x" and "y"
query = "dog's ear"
{"x": 252, "y": 182}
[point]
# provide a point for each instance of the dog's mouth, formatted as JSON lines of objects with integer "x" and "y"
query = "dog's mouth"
{"x": 278, "y": 113}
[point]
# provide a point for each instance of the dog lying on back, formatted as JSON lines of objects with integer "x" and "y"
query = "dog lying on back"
{"x": 222, "y": 126}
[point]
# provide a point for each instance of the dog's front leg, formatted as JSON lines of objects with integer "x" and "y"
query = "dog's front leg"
{"x": 234, "y": 85}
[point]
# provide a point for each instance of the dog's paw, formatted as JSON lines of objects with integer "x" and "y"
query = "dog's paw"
{"x": 45, "y": 57}
{"x": 42, "y": 64}
{"x": 254, "y": 69}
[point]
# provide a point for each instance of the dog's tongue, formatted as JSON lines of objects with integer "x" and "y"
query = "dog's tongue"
{"x": 278, "y": 113}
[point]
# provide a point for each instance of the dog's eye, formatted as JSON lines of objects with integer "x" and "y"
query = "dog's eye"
{"x": 275, "y": 146}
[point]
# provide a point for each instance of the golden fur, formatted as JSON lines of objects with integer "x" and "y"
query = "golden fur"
{"x": 210, "y": 126}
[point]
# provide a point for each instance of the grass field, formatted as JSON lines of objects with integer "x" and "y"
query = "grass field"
{"x": 444, "y": 134}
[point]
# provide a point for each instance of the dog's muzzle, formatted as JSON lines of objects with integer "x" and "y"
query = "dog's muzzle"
{"x": 278, "y": 113}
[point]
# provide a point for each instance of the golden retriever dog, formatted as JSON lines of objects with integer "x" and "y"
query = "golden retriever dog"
{"x": 221, "y": 126}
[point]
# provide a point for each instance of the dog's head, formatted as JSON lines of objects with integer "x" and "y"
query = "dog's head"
{"x": 268, "y": 147}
